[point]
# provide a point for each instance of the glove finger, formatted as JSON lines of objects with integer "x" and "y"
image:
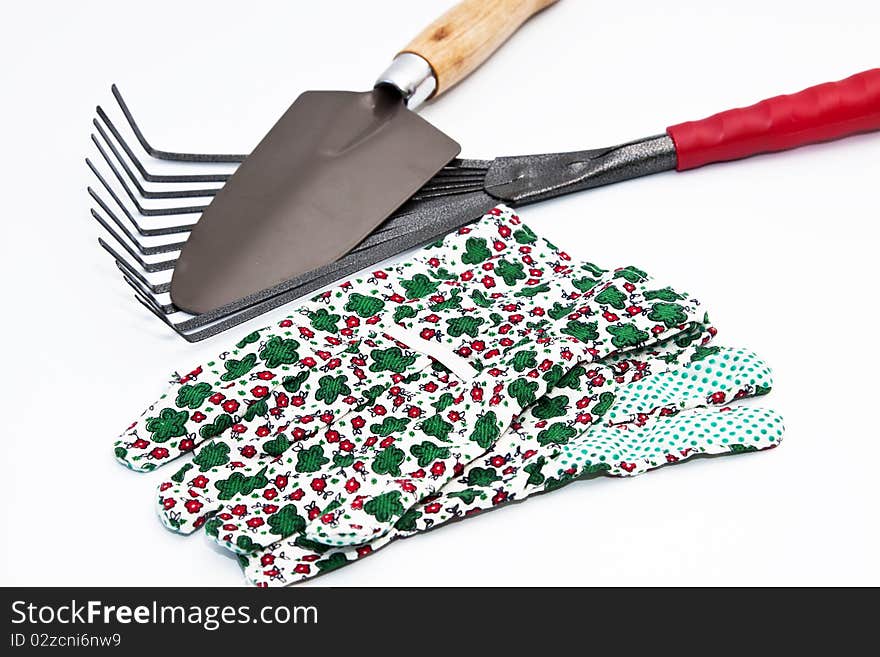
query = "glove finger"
{"x": 185, "y": 503}
{"x": 627, "y": 452}
{"x": 296, "y": 560}
{"x": 714, "y": 376}
{"x": 232, "y": 390}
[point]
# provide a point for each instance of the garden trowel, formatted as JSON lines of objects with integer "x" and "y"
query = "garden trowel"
{"x": 336, "y": 165}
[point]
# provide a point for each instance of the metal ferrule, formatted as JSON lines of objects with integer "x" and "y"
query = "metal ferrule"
{"x": 412, "y": 76}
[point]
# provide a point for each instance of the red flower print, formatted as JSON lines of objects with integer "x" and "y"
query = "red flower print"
{"x": 230, "y": 406}
{"x": 193, "y": 506}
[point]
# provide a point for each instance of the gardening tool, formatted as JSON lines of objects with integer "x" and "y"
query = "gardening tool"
{"x": 465, "y": 189}
{"x": 336, "y": 165}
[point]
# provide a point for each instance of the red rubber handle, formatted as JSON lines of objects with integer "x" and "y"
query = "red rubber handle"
{"x": 821, "y": 113}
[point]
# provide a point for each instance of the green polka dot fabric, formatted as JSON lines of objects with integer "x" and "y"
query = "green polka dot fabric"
{"x": 664, "y": 419}
{"x": 486, "y": 368}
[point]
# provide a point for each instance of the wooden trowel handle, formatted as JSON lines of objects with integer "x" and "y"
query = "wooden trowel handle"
{"x": 465, "y": 36}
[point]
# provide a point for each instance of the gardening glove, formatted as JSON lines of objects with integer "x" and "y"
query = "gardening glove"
{"x": 237, "y": 386}
{"x": 315, "y": 501}
{"x": 473, "y": 251}
{"x": 666, "y": 409}
{"x": 326, "y": 360}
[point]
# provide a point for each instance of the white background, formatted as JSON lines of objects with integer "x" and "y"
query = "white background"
{"x": 781, "y": 248}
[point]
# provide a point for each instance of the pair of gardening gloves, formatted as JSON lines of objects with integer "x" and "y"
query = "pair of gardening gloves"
{"x": 486, "y": 368}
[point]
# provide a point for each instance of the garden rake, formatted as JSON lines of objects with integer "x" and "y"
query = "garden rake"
{"x": 459, "y": 193}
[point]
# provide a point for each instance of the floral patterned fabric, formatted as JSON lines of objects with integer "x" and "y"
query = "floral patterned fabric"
{"x": 392, "y": 402}
{"x": 669, "y": 406}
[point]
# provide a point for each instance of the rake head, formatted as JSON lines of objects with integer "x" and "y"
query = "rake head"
{"x": 149, "y": 223}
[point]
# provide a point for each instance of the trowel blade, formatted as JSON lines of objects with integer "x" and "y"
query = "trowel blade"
{"x": 331, "y": 170}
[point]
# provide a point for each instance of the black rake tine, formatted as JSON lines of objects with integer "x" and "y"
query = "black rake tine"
{"x": 436, "y": 184}
{"x": 160, "y": 315}
{"x": 148, "y": 193}
{"x": 149, "y": 267}
{"x": 169, "y": 155}
{"x": 155, "y": 288}
{"x": 147, "y": 212}
{"x": 156, "y": 177}
{"x": 171, "y": 308}
{"x": 165, "y": 309}
{"x": 146, "y": 232}
{"x": 449, "y": 191}
{"x": 143, "y": 250}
